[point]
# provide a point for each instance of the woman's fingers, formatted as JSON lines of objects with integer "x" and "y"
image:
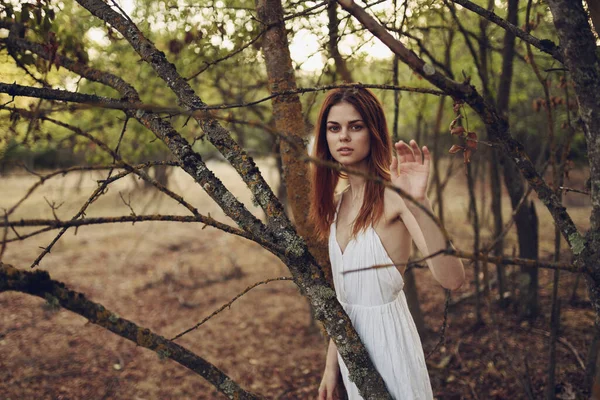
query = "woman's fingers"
{"x": 416, "y": 151}
{"x": 426, "y": 156}
{"x": 405, "y": 153}
{"x": 322, "y": 394}
{"x": 399, "y": 151}
{"x": 394, "y": 167}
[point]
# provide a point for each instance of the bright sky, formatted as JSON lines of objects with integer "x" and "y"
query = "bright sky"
{"x": 302, "y": 47}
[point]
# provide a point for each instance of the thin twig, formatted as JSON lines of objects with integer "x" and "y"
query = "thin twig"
{"x": 566, "y": 189}
{"x": 115, "y": 104}
{"x": 565, "y": 343}
{"x": 444, "y": 325}
{"x": 229, "y": 303}
{"x": 483, "y": 257}
{"x": 544, "y": 45}
{"x": 44, "y": 178}
{"x": 208, "y": 64}
{"x": 406, "y": 264}
{"x": 127, "y": 203}
{"x": 4, "y": 236}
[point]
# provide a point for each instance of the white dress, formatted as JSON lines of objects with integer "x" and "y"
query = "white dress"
{"x": 376, "y": 304}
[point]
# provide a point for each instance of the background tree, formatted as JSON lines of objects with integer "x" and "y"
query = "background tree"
{"x": 107, "y": 62}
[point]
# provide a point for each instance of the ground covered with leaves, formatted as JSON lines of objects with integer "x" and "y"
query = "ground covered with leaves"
{"x": 169, "y": 276}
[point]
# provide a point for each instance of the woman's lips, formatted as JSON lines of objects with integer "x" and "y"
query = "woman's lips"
{"x": 345, "y": 151}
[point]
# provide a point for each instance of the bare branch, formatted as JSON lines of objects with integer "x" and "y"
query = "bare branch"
{"x": 40, "y": 284}
{"x": 325, "y": 88}
{"x": 44, "y": 178}
{"x": 64, "y": 95}
{"x": 485, "y": 258}
{"x": 127, "y": 203}
{"x": 406, "y": 264}
{"x": 57, "y": 224}
{"x": 229, "y": 303}
{"x": 4, "y": 236}
{"x": 114, "y": 104}
{"x": 545, "y": 45}
{"x": 566, "y": 189}
{"x": 91, "y": 74}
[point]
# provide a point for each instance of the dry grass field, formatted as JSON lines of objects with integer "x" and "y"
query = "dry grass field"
{"x": 167, "y": 276}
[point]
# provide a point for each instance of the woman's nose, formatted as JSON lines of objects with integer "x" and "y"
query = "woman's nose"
{"x": 344, "y": 135}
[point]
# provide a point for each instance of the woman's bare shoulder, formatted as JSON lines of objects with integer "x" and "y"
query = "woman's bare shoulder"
{"x": 394, "y": 205}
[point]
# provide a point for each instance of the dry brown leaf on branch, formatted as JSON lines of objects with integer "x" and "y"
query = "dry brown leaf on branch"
{"x": 467, "y": 155}
{"x": 455, "y": 149}
{"x": 454, "y": 121}
{"x": 471, "y": 141}
{"x": 459, "y": 130}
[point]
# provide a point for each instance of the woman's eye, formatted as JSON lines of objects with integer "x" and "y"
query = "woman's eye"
{"x": 334, "y": 128}
{"x": 357, "y": 127}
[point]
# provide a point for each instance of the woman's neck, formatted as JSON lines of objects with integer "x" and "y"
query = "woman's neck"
{"x": 356, "y": 188}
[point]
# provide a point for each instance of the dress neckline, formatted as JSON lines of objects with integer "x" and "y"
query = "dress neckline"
{"x": 354, "y": 239}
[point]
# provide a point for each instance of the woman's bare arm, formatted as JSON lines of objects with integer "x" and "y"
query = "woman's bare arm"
{"x": 447, "y": 270}
{"x": 410, "y": 172}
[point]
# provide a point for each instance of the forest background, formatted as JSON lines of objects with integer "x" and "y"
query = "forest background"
{"x": 99, "y": 133}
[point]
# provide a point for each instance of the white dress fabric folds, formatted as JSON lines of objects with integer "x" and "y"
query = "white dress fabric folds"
{"x": 376, "y": 304}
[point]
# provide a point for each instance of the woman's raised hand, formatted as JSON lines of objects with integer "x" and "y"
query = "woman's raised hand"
{"x": 410, "y": 169}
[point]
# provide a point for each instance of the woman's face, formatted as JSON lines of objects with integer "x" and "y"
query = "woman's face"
{"x": 348, "y": 138}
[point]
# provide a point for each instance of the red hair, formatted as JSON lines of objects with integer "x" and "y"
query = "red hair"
{"x": 324, "y": 179}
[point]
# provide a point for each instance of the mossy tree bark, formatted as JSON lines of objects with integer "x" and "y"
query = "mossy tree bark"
{"x": 581, "y": 58}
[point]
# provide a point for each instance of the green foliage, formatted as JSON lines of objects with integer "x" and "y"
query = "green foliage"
{"x": 195, "y": 35}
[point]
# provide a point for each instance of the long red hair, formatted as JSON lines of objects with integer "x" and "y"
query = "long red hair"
{"x": 324, "y": 180}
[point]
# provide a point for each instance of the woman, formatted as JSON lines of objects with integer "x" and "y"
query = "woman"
{"x": 368, "y": 224}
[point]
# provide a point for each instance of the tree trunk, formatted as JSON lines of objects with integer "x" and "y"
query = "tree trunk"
{"x": 282, "y": 188}
{"x": 412, "y": 298}
{"x": 498, "y": 249}
{"x": 287, "y": 113}
{"x": 475, "y": 224}
{"x": 591, "y": 384}
{"x": 526, "y": 222}
{"x": 526, "y": 218}
{"x": 340, "y": 64}
{"x": 437, "y": 132}
{"x": 579, "y": 49}
{"x": 437, "y": 178}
